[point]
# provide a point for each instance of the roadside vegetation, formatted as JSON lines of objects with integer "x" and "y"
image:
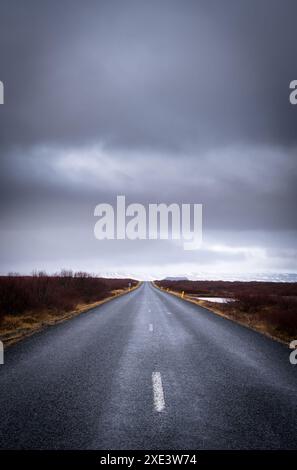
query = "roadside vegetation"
{"x": 28, "y": 303}
{"x": 269, "y": 307}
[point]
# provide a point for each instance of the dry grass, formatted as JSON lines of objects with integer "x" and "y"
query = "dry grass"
{"x": 270, "y": 308}
{"x": 18, "y": 325}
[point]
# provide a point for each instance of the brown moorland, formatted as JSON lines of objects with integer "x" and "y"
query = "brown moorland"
{"x": 29, "y": 303}
{"x": 268, "y": 307}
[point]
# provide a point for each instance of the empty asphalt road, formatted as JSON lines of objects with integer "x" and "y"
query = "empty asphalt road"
{"x": 148, "y": 371}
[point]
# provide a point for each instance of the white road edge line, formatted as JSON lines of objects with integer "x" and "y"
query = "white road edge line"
{"x": 151, "y": 327}
{"x": 159, "y": 400}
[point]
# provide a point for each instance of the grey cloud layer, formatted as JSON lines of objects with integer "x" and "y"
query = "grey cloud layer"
{"x": 170, "y": 74}
{"x": 240, "y": 187}
{"x": 170, "y": 101}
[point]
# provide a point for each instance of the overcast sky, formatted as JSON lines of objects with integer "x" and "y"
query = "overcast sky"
{"x": 162, "y": 101}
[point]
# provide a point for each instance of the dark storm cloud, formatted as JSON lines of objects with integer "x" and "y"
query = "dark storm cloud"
{"x": 164, "y": 101}
{"x": 168, "y": 74}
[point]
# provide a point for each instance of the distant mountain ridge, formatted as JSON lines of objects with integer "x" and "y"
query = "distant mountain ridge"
{"x": 176, "y": 279}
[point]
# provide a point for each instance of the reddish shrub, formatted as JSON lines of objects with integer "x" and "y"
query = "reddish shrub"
{"x": 64, "y": 291}
{"x": 272, "y": 302}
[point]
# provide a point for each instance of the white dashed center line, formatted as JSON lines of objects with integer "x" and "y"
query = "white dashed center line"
{"x": 159, "y": 400}
{"x": 151, "y": 327}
